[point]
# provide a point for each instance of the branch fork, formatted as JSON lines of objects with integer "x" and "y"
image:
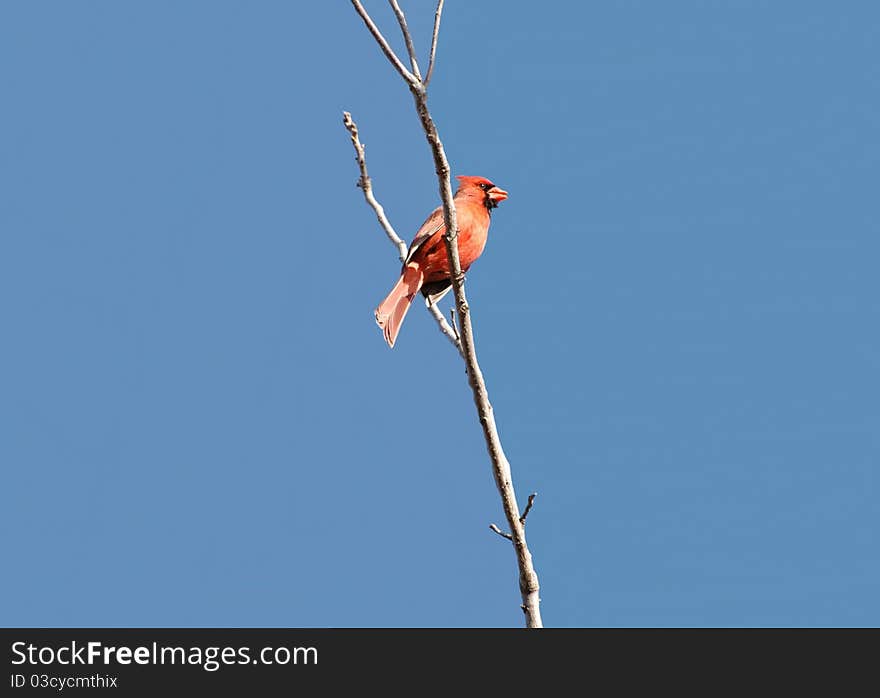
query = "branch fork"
{"x": 522, "y": 518}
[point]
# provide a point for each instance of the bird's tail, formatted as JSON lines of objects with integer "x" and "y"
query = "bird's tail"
{"x": 391, "y": 311}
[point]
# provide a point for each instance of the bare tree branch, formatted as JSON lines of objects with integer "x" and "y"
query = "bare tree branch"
{"x": 365, "y": 183}
{"x": 433, "y": 43}
{"x": 407, "y": 38}
{"x": 383, "y": 44}
{"x": 528, "y": 578}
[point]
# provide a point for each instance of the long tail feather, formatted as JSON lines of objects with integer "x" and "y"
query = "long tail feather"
{"x": 392, "y": 310}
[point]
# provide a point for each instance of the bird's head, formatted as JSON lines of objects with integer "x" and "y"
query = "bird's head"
{"x": 481, "y": 189}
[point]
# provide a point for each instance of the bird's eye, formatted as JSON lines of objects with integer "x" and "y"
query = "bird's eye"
{"x": 485, "y": 187}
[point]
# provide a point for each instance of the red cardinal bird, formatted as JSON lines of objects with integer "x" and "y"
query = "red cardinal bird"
{"x": 426, "y": 267}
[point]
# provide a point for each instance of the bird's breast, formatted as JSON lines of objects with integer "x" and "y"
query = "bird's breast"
{"x": 473, "y": 229}
{"x": 471, "y": 244}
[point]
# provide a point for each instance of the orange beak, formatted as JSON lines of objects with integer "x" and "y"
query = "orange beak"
{"x": 496, "y": 194}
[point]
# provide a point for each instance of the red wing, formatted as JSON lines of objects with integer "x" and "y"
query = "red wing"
{"x": 432, "y": 224}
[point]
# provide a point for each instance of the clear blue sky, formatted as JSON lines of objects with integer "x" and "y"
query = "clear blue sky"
{"x": 678, "y": 316}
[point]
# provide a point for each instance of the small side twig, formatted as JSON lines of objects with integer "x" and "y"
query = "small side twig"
{"x": 522, "y": 519}
{"x": 433, "y": 43}
{"x": 450, "y": 332}
{"x": 452, "y": 321}
{"x": 500, "y": 532}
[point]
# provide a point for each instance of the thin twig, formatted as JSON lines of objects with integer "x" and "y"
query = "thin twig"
{"x": 433, "y": 43}
{"x": 522, "y": 519}
{"x": 452, "y": 322}
{"x": 383, "y": 44}
{"x": 407, "y": 38}
{"x": 366, "y": 184}
{"x": 500, "y": 532}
